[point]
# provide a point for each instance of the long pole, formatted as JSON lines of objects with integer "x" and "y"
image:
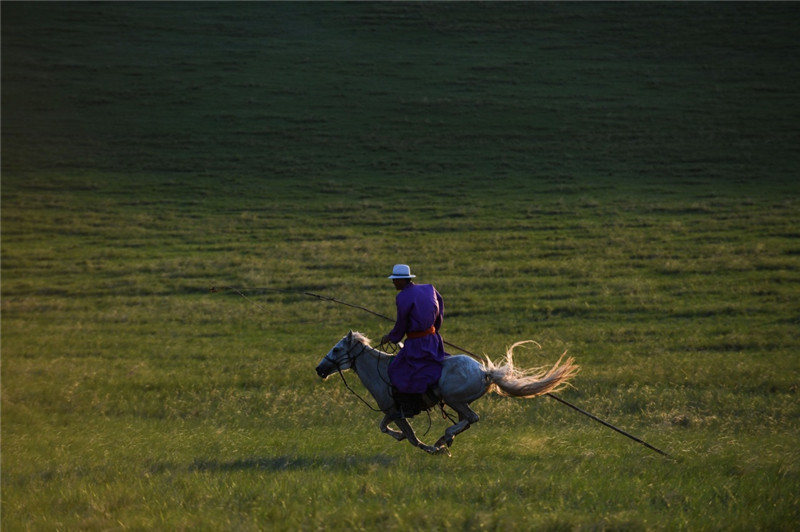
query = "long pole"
{"x": 609, "y": 425}
{"x": 465, "y": 351}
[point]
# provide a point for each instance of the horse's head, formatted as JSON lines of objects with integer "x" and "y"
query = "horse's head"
{"x": 342, "y": 355}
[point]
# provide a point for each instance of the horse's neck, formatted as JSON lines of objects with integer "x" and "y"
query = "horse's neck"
{"x": 372, "y": 368}
{"x": 372, "y": 365}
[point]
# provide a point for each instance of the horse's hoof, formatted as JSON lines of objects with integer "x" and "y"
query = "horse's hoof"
{"x": 445, "y": 440}
{"x": 443, "y": 450}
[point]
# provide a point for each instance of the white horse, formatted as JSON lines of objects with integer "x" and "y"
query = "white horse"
{"x": 463, "y": 380}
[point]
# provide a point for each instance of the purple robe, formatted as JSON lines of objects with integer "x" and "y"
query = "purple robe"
{"x": 419, "y": 362}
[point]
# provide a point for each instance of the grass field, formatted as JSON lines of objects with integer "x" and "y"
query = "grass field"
{"x": 618, "y": 180}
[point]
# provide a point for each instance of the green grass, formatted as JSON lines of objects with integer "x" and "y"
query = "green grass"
{"x": 615, "y": 180}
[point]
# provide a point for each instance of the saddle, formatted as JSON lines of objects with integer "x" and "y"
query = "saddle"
{"x": 411, "y": 404}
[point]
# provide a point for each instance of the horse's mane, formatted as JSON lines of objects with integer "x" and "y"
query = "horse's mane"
{"x": 361, "y": 338}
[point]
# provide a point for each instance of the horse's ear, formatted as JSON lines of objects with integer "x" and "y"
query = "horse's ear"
{"x": 350, "y": 335}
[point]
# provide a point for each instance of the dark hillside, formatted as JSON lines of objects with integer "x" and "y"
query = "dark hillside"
{"x": 395, "y": 90}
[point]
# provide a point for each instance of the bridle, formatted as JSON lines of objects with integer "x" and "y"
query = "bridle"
{"x": 349, "y": 360}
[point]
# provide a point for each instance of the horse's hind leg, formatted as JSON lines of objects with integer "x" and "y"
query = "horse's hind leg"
{"x": 466, "y": 417}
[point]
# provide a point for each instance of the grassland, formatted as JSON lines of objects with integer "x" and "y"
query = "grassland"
{"x": 617, "y": 180}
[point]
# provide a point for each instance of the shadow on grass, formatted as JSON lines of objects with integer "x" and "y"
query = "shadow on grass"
{"x": 287, "y": 463}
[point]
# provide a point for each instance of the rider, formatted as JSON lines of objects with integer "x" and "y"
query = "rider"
{"x": 418, "y": 365}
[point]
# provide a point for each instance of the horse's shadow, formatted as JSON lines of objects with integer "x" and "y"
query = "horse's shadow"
{"x": 292, "y": 463}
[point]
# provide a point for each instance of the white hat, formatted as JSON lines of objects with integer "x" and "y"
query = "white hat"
{"x": 401, "y": 271}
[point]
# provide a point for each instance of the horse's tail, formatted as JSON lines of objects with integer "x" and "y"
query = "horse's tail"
{"x": 511, "y": 381}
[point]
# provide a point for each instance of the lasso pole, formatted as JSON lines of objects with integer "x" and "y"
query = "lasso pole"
{"x": 609, "y": 425}
{"x": 465, "y": 351}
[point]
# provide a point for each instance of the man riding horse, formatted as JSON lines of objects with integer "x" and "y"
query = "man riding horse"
{"x": 418, "y": 365}
{"x": 422, "y": 365}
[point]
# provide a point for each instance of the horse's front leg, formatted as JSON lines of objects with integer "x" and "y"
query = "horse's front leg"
{"x": 399, "y": 436}
{"x": 405, "y": 426}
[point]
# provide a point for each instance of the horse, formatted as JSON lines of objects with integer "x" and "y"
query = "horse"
{"x": 464, "y": 380}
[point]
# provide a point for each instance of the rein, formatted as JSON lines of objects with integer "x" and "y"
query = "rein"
{"x": 356, "y": 393}
{"x": 351, "y": 360}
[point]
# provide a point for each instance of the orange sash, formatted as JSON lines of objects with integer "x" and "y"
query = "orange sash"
{"x": 421, "y": 334}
